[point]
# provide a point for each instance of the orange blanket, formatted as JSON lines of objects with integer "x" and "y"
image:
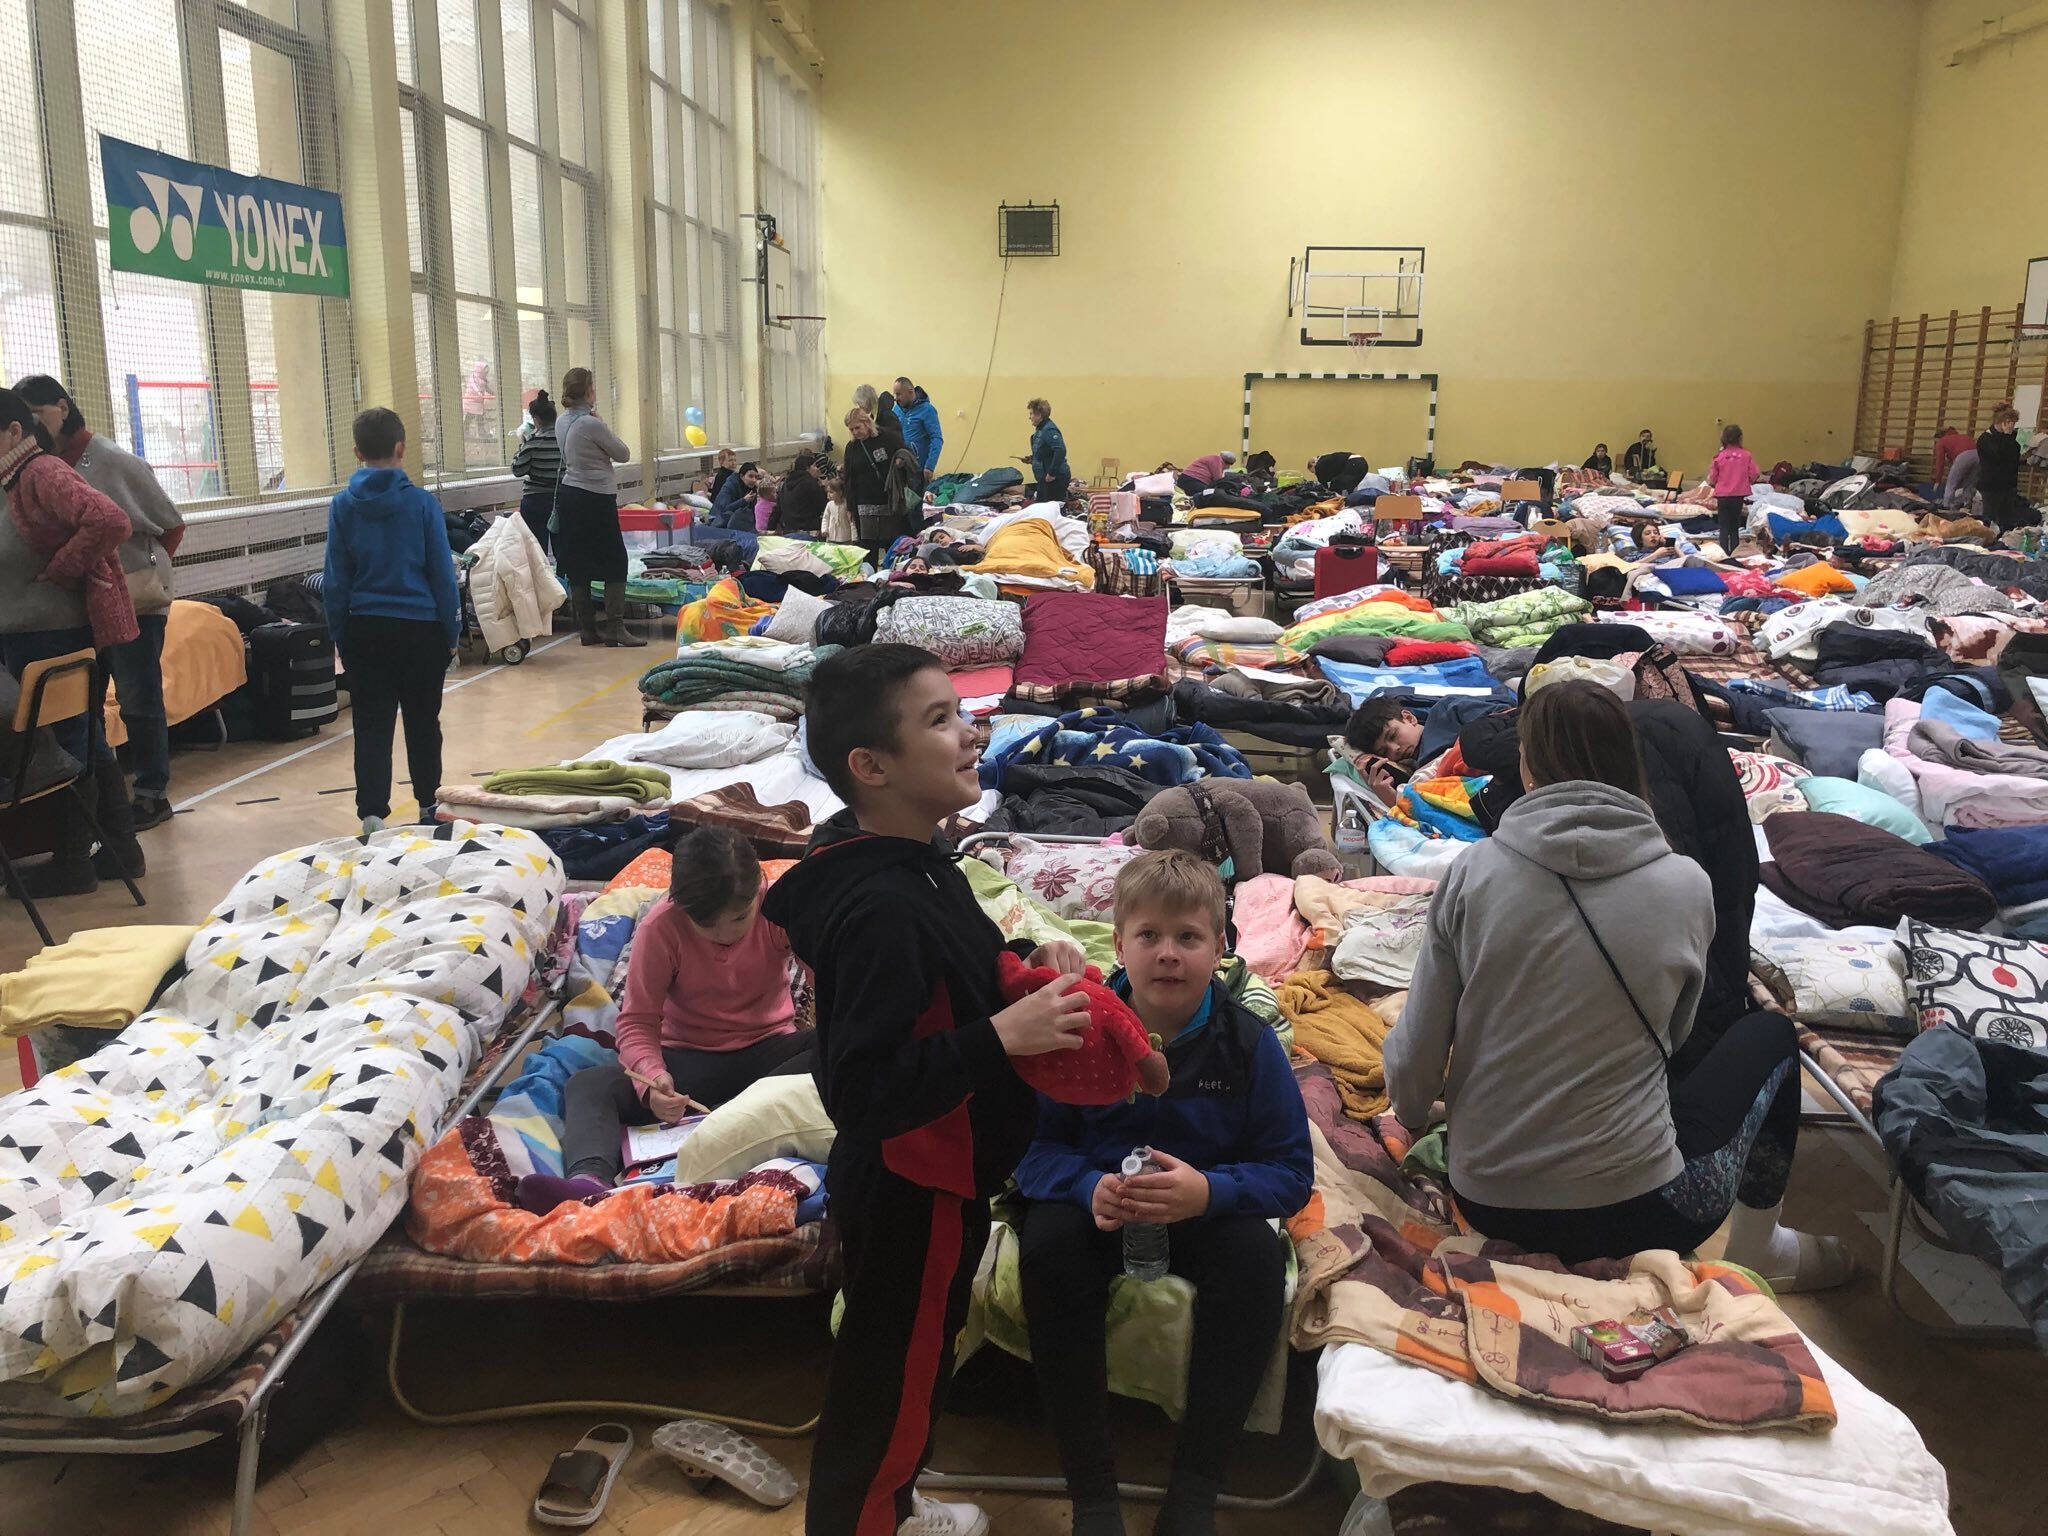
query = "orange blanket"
{"x": 461, "y": 1209}
{"x": 204, "y": 662}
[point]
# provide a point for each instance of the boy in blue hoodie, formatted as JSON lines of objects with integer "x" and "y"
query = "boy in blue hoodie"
{"x": 1229, "y": 1138}
{"x": 393, "y": 611}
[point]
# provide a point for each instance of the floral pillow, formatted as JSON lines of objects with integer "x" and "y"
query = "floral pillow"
{"x": 1073, "y": 879}
{"x": 1994, "y": 989}
{"x": 1769, "y": 784}
{"x": 1841, "y": 983}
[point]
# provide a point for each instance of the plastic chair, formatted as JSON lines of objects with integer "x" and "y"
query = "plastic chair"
{"x": 54, "y": 690}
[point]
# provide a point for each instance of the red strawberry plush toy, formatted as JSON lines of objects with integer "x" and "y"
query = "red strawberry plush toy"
{"x": 1116, "y": 1057}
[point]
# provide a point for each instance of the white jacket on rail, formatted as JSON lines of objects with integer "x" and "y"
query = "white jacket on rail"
{"x": 512, "y": 587}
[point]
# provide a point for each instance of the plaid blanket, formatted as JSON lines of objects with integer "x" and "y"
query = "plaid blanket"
{"x": 1837, "y": 699}
{"x": 1376, "y": 1269}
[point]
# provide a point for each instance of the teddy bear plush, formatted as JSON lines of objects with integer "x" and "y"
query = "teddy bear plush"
{"x": 1116, "y": 1057}
{"x": 1272, "y": 828}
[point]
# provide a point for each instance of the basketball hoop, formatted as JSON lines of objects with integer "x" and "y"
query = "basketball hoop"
{"x": 1362, "y": 342}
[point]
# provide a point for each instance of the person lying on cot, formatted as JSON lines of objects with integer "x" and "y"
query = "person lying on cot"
{"x": 1387, "y": 726}
{"x": 708, "y": 1012}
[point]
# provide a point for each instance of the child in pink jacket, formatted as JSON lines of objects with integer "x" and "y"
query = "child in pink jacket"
{"x": 1734, "y": 472}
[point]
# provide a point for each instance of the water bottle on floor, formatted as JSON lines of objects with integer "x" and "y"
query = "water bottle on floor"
{"x": 1144, "y": 1241}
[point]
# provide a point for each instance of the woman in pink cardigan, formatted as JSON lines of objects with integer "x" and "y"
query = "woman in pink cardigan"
{"x": 62, "y": 589}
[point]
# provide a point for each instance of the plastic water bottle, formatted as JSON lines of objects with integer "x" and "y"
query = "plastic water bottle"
{"x": 1367, "y": 1516}
{"x": 1144, "y": 1241}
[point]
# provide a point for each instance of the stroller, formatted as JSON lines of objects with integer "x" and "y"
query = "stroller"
{"x": 509, "y": 593}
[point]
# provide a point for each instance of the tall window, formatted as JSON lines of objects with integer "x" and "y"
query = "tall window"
{"x": 186, "y": 376}
{"x": 690, "y": 107}
{"x": 787, "y": 142}
{"x": 501, "y": 204}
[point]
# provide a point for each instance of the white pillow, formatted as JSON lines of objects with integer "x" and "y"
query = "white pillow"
{"x": 776, "y": 1117}
{"x": 1842, "y": 982}
{"x": 1877, "y": 769}
{"x": 796, "y": 617}
{"x": 1220, "y": 624}
{"x": 714, "y": 738}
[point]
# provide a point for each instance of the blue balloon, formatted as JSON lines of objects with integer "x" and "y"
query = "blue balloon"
{"x": 694, "y": 415}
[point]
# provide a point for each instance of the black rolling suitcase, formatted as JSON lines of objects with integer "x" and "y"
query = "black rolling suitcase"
{"x": 291, "y": 680}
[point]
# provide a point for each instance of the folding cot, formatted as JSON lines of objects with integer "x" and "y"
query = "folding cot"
{"x": 238, "y": 1400}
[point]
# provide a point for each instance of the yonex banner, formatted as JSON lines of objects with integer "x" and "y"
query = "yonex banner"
{"x": 204, "y": 224}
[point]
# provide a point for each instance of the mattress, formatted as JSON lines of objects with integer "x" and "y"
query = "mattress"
{"x": 1869, "y": 1476}
{"x": 171, "y": 1196}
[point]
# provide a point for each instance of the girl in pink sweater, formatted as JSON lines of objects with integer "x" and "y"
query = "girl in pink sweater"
{"x": 707, "y": 1013}
{"x": 1734, "y": 472}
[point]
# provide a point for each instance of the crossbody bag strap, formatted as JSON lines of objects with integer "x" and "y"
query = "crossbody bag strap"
{"x": 1615, "y": 971}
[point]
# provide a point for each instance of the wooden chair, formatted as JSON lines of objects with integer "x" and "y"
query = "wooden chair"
{"x": 1109, "y": 476}
{"x": 54, "y": 690}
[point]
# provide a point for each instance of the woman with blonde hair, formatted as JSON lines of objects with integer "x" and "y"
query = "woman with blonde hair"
{"x": 588, "y": 544}
{"x": 880, "y": 407}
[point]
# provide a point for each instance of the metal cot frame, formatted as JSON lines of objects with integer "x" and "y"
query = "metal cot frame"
{"x": 311, "y": 1313}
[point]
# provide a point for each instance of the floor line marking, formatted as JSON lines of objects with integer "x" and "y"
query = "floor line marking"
{"x": 327, "y": 741}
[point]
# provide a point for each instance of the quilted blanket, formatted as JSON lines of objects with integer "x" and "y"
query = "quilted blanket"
{"x": 1090, "y": 642}
{"x": 166, "y": 1199}
{"x": 1377, "y": 616}
{"x": 1527, "y": 618}
{"x": 1379, "y": 1266}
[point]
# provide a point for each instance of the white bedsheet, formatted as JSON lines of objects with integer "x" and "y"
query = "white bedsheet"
{"x": 1402, "y": 1424}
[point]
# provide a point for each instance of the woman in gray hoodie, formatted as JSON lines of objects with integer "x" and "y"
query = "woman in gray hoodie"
{"x": 1562, "y": 967}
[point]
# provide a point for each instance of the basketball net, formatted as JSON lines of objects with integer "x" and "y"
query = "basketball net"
{"x": 1362, "y": 342}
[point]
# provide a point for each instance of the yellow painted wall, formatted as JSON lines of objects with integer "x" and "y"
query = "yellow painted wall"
{"x": 1974, "y": 213}
{"x": 1698, "y": 239}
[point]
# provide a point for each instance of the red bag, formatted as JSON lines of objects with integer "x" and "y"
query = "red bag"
{"x": 1426, "y": 653}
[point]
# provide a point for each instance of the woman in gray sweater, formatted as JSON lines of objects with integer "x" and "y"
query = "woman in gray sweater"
{"x": 136, "y": 667}
{"x": 588, "y": 545}
{"x": 1562, "y": 966}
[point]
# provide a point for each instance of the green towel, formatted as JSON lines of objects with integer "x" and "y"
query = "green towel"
{"x": 599, "y": 776}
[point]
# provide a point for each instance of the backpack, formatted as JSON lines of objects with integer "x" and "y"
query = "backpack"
{"x": 1660, "y": 675}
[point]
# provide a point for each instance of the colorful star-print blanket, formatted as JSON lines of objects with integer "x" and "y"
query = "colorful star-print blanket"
{"x": 1103, "y": 738}
{"x": 166, "y": 1199}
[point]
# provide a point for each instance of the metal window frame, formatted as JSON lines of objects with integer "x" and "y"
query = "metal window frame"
{"x": 74, "y": 236}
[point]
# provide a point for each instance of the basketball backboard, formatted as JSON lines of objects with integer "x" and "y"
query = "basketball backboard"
{"x": 1341, "y": 293}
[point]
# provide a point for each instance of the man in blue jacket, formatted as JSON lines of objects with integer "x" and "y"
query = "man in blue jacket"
{"x": 1230, "y": 1154}
{"x": 394, "y": 614}
{"x": 919, "y": 419}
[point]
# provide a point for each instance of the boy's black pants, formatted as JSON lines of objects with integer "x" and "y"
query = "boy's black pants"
{"x": 395, "y": 665}
{"x": 910, "y": 1256}
{"x": 1239, "y": 1271}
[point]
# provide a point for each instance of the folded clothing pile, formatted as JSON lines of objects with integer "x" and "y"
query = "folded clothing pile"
{"x": 746, "y": 672}
{"x": 1527, "y": 618}
{"x": 1502, "y": 557}
{"x": 962, "y": 632}
{"x": 1847, "y": 874}
{"x": 101, "y": 978}
{"x": 1376, "y": 614}
{"x": 573, "y": 794}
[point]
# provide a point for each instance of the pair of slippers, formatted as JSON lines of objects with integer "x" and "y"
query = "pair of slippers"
{"x": 579, "y": 1481}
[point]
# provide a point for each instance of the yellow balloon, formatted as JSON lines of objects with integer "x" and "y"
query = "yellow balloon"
{"x": 695, "y": 436}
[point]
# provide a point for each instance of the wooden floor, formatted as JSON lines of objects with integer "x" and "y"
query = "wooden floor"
{"x": 374, "y": 1470}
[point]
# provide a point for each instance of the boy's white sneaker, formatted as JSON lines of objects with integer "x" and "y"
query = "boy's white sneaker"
{"x": 928, "y": 1517}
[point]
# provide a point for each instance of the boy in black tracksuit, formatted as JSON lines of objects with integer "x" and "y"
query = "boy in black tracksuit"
{"x": 913, "y": 1066}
